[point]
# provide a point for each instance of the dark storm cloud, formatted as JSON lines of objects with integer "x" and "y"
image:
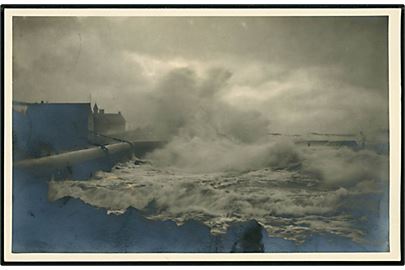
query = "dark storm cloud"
{"x": 291, "y": 69}
{"x": 357, "y": 44}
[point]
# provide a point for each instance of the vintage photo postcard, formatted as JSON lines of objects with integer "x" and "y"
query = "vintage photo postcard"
{"x": 228, "y": 135}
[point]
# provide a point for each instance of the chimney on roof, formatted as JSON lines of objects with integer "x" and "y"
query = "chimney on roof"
{"x": 95, "y": 108}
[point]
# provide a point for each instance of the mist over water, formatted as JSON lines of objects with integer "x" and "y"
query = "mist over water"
{"x": 188, "y": 105}
{"x": 291, "y": 200}
{"x": 215, "y": 89}
{"x": 221, "y": 166}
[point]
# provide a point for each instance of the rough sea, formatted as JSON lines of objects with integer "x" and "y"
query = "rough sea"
{"x": 293, "y": 191}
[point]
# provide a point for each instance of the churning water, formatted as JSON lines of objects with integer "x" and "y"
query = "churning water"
{"x": 292, "y": 191}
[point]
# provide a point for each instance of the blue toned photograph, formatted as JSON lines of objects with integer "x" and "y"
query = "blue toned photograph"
{"x": 200, "y": 134}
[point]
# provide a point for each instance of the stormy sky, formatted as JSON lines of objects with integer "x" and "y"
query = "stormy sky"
{"x": 299, "y": 74}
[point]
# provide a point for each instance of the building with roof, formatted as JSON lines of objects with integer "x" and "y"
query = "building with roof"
{"x": 107, "y": 123}
{"x": 41, "y": 129}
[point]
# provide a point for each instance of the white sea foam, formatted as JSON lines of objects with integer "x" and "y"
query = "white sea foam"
{"x": 293, "y": 192}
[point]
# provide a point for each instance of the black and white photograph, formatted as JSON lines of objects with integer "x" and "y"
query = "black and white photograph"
{"x": 215, "y": 132}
